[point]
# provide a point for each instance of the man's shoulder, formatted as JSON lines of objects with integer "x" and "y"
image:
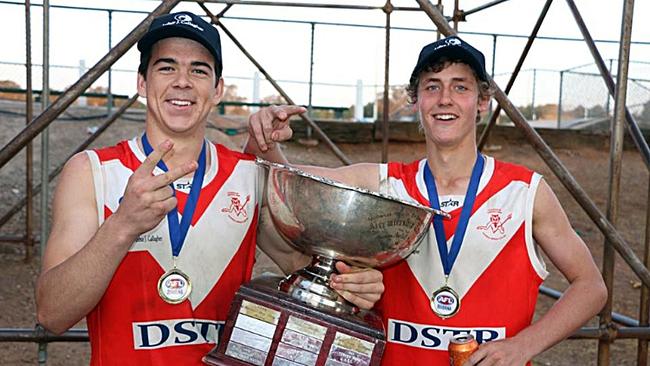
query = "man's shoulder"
{"x": 512, "y": 170}
{"x": 113, "y": 152}
{"x": 227, "y": 153}
{"x": 398, "y": 169}
{"x": 79, "y": 162}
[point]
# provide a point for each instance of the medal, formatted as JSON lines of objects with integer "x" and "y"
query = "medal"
{"x": 175, "y": 286}
{"x": 445, "y": 302}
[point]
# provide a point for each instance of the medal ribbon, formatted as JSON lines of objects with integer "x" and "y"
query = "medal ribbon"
{"x": 178, "y": 232}
{"x": 448, "y": 257}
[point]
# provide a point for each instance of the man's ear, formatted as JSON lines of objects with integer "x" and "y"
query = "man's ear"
{"x": 483, "y": 103}
{"x": 142, "y": 86}
{"x": 219, "y": 92}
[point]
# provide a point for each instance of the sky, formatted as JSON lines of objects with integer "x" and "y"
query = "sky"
{"x": 342, "y": 54}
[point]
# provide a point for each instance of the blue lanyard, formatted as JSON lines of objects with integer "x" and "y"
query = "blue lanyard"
{"x": 449, "y": 256}
{"x": 178, "y": 232}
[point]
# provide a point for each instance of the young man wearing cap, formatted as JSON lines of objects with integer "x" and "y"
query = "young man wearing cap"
{"x": 156, "y": 288}
{"x": 479, "y": 272}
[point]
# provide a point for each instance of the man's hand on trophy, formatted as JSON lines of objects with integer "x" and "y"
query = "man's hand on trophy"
{"x": 361, "y": 286}
{"x": 271, "y": 124}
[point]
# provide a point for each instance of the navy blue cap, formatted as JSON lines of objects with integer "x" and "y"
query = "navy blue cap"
{"x": 184, "y": 25}
{"x": 455, "y": 48}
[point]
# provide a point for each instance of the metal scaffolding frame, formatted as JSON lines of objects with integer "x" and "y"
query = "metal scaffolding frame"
{"x": 606, "y": 332}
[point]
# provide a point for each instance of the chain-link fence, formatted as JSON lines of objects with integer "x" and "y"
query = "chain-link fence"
{"x": 576, "y": 98}
{"x": 586, "y": 100}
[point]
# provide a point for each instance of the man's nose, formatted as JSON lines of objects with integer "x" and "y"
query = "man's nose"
{"x": 445, "y": 96}
{"x": 182, "y": 80}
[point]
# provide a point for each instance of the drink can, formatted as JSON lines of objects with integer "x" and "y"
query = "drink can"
{"x": 461, "y": 347}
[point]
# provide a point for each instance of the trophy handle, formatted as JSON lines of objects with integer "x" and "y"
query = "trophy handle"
{"x": 311, "y": 286}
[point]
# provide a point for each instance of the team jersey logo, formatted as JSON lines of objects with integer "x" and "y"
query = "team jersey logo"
{"x": 237, "y": 209}
{"x": 494, "y": 228}
{"x": 435, "y": 337}
{"x": 450, "y": 204}
{"x": 175, "y": 332}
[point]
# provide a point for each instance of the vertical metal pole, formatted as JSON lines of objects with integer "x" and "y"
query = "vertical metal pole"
{"x": 615, "y": 163}
{"x": 532, "y": 103}
{"x": 45, "y": 138}
{"x": 388, "y": 8}
{"x": 45, "y": 142}
{"x": 644, "y": 305}
{"x": 311, "y": 77}
{"x": 494, "y": 52}
{"x": 441, "y": 8}
{"x": 109, "y": 97}
{"x": 494, "y": 58}
{"x": 256, "y": 91}
{"x": 358, "y": 105}
{"x": 455, "y": 17}
{"x": 559, "y": 101}
{"x": 29, "y": 152}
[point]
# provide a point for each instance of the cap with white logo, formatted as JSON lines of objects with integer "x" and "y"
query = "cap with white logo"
{"x": 184, "y": 25}
{"x": 455, "y": 48}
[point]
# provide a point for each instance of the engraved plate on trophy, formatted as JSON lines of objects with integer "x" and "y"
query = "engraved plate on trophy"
{"x": 303, "y": 334}
{"x": 349, "y": 350}
{"x": 286, "y": 352}
{"x": 283, "y": 362}
{"x": 259, "y": 312}
{"x": 245, "y": 353}
{"x": 301, "y": 342}
{"x": 252, "y": 335}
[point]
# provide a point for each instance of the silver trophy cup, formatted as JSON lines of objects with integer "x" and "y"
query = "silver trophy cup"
{"x": 332, "y": 221}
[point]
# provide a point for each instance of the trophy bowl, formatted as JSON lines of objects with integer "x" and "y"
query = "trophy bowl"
{"x": 332, "y": 221}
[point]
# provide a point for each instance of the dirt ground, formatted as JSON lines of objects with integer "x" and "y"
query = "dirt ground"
{"x": 588, "y": 165}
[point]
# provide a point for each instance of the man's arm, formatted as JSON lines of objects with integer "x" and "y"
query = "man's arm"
{"x": 266, "y": 128}
{"x": 585, "y": 296}
{"x": 81, "y": 257}
{"x": 270, "y": 125}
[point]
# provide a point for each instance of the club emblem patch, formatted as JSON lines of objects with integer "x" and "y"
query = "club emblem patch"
{"x": 237, "y": 209}
{"x": 494, "y": 228}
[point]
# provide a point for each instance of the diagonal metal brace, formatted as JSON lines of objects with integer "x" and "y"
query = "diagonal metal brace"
{"x": 64, "y": 100}
{"x": 277, "y": 87}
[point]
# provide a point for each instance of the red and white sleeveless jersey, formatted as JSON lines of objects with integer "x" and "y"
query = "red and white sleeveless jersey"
{"x": 497, "y": 272}
{"x": 132, "y": 325}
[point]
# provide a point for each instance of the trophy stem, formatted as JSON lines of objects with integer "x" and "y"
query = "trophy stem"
{"x": 311, "y": 286}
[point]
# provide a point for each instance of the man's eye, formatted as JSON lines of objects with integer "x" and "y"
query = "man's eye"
{"x": 200, "y": 72}
{"x": 461, "y": 88}
{"x": 166, "y": 68}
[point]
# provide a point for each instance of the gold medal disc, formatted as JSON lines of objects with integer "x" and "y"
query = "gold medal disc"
{"x": 445, "y": 302}
{"x": 174, "y": 286}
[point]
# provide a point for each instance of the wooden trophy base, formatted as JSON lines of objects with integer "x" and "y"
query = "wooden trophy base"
{"x": 268, "y": 327}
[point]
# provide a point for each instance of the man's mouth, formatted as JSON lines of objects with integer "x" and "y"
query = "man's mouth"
{"x": 445, "y": 116}
{"x": 180, "y": 102}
